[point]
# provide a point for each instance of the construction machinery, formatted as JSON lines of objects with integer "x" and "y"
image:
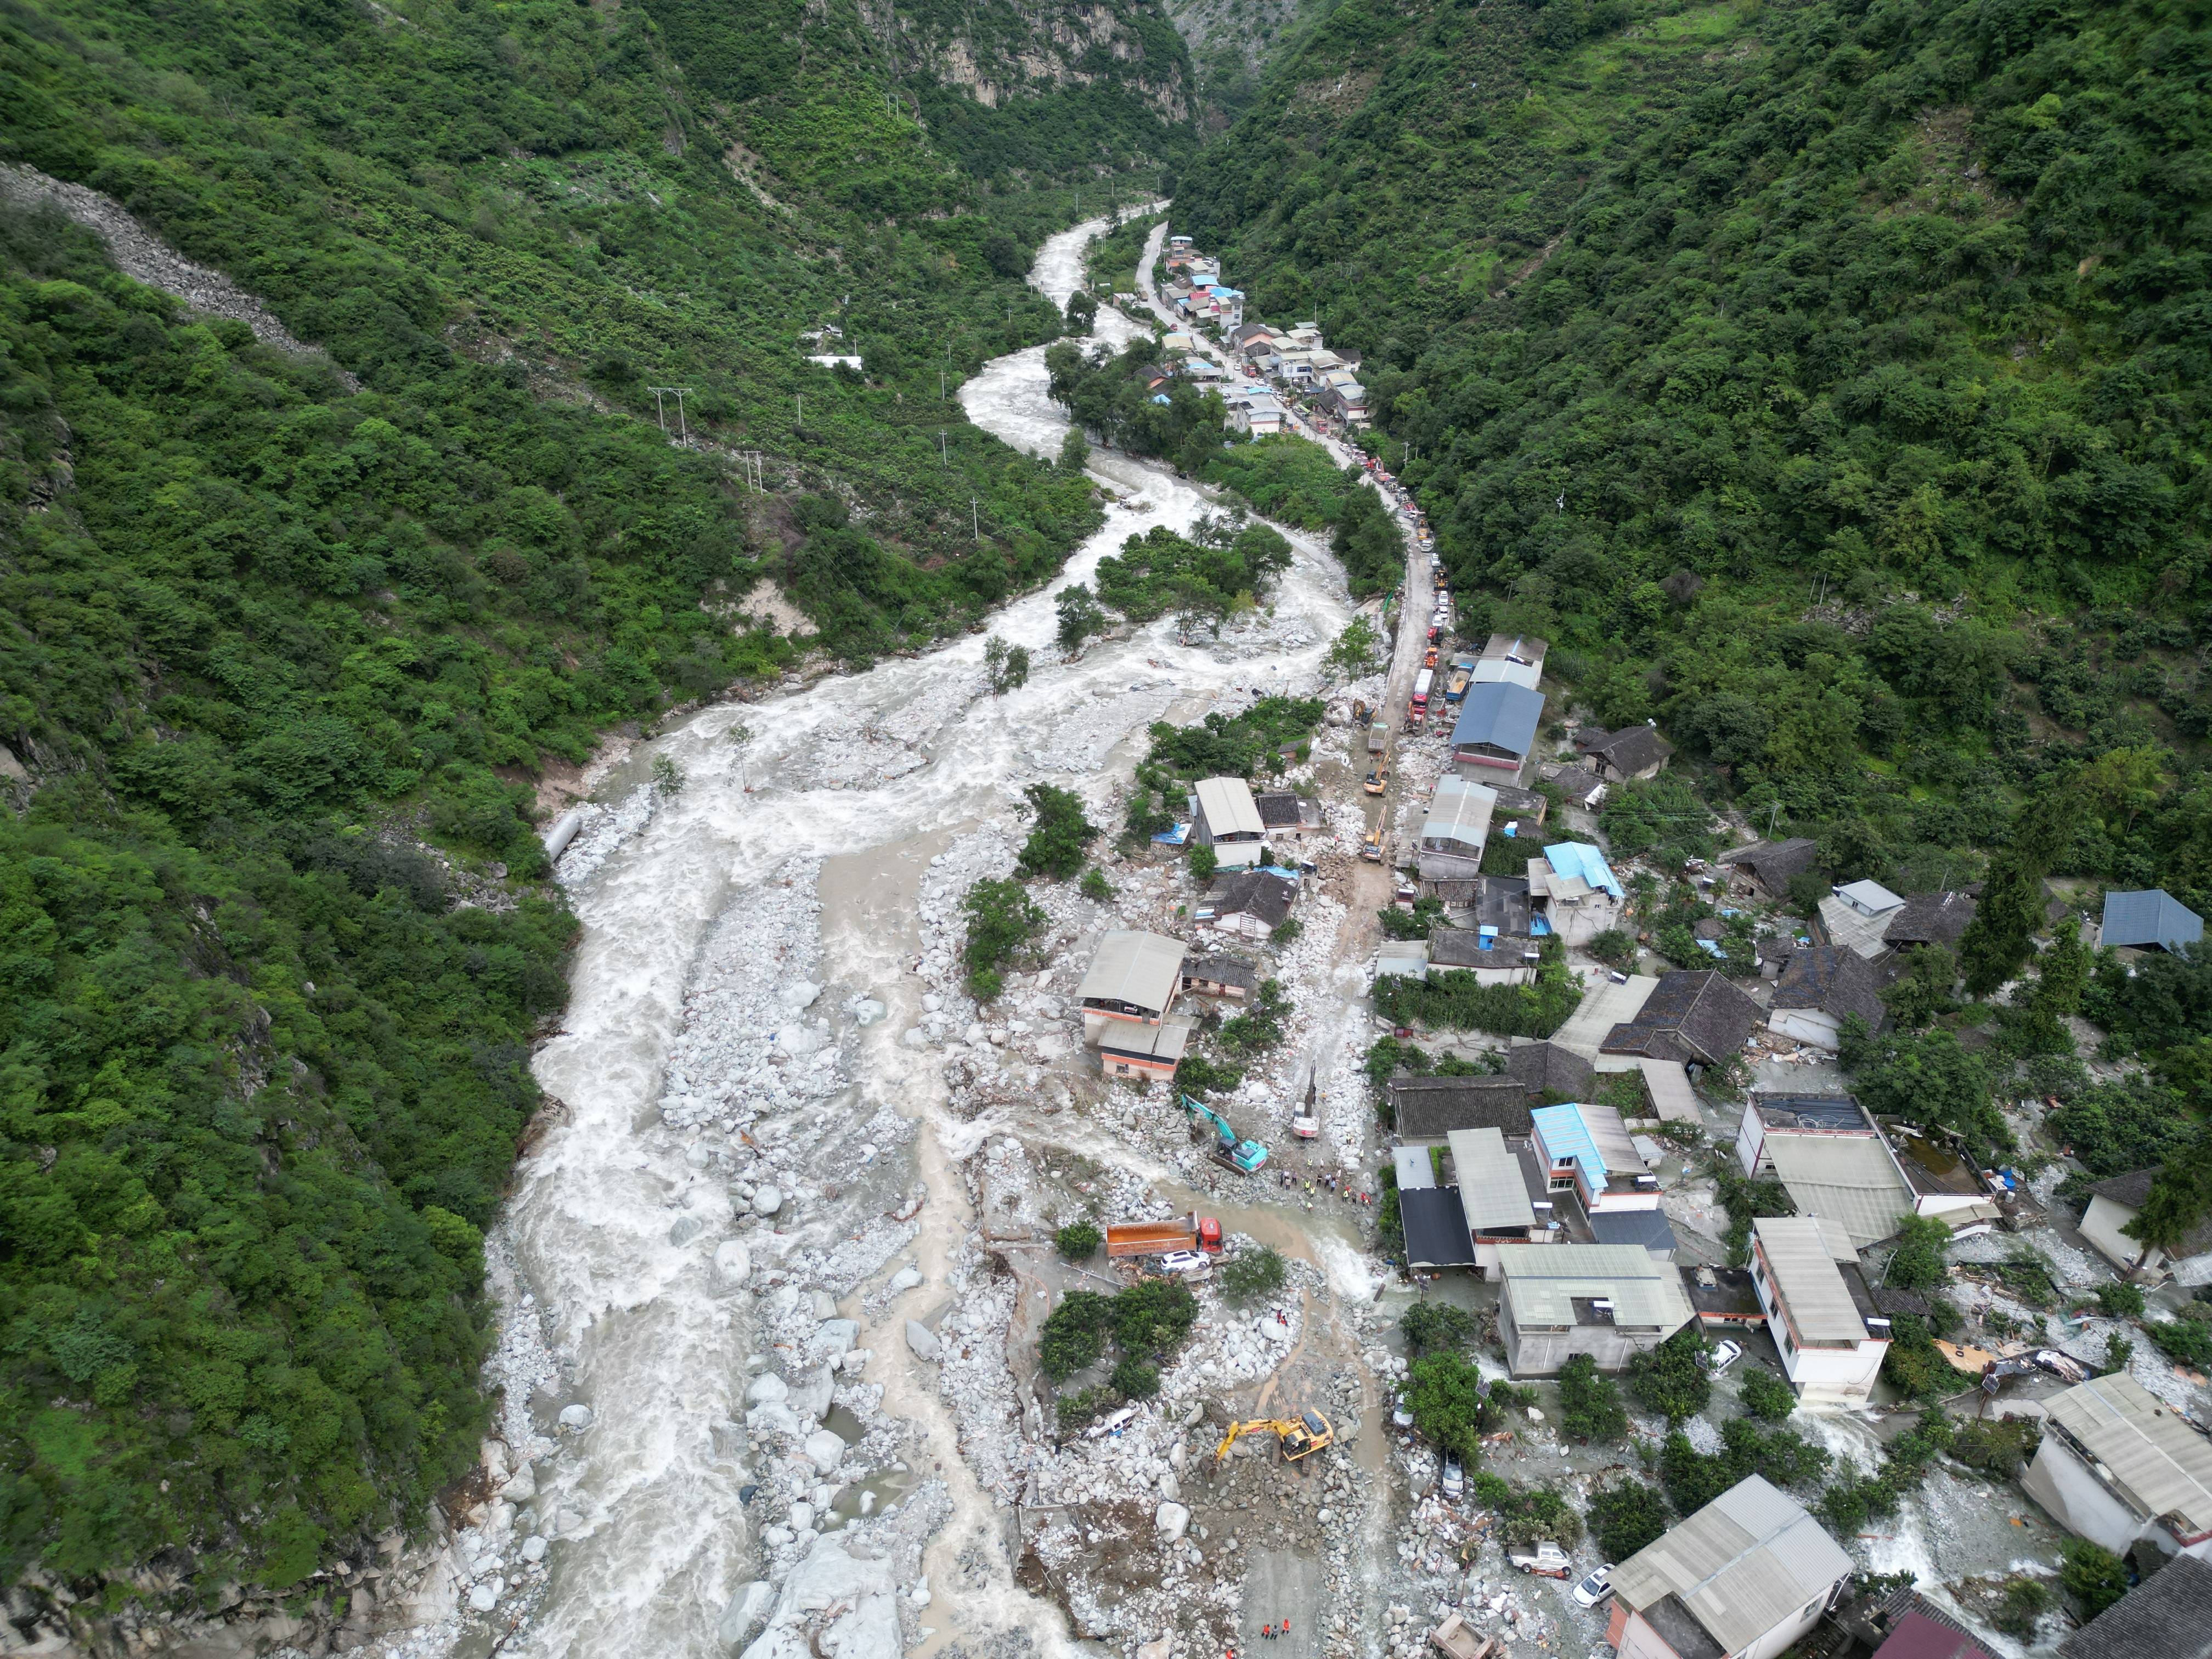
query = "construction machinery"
{"x": 1230, "y": 1149}
{"x": 1295, "y": 1438}
{"x": 1306, "y": 1124}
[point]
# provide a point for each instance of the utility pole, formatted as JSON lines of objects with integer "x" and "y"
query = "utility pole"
{"x": 943, "y": 458}
{"x": 679, "y": 393}
{"x": 802, "y": 409}
{"x": 975, "y": 523}
{"x": 1772, "y": 812}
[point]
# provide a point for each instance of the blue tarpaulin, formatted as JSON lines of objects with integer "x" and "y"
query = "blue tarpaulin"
{"x": 1174, "y": 837}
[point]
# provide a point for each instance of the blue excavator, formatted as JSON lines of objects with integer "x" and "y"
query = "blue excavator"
{"x": 1230, "y": 1149}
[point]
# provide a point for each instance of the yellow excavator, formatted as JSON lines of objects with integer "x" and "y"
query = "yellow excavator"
{"x": 1299, "y": 1437}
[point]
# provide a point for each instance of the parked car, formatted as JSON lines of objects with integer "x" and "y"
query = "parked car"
{"x": 1454, "y": 1475}
{"x": 1546, "y": 1559}
{"x": 1596, "y": 1588}
{"x": 1181, "y": 1262}
{"x": 1724, "y": 1354}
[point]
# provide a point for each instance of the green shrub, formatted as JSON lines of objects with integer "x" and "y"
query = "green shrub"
{"x": 1438, "y": 1327}
{"x": 1078, "y": 1241}
{"x": 2024, "y": 1603}
{"x": 1625, "y": 1517}
{"x": 1589, "y": 1401}
{"x": 1074, "y": 1334}
{"x": 1001, "y": 919}
{"x": 1094, "y": 886}
{"x": 1134, "y": 1379}
{"x": 1766, "y": 1395}
{"x": 1058, "y": 834}
{"x": 2002, "y": 1447}
{"x": 1918, "y": 1263}
{"x": 1671, "y": 1379}
{"x": 1249, "y": 1275}
{"x": 1205, "y": 862}
{"x": 2120, "y": 1301}
{"x": 2189, "y": 1341}
{"x": 1152, "y": 1318}
{"x": 2091, "y": 1575}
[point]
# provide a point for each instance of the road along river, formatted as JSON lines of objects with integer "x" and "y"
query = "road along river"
{"x": 751, "y": 1132}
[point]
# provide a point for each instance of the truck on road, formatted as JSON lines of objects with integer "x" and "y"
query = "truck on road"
{"x": 1378, "y": 738}
{"x": 1190, "y": 1232}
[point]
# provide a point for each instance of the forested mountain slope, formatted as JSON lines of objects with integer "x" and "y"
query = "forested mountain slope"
{"x": 271, "y": 631}
{"x": 1828, "y": 379}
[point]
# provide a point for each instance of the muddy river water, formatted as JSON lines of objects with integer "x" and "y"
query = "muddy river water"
{"x": 600, "y": 1227}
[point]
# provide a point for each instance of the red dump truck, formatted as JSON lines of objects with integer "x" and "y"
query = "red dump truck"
{"x": 1190, "y": 1232}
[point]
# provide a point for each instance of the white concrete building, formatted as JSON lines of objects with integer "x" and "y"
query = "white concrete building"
{"x": 2117, "y": 1464}
{"x": 2113, "y": 1205}
{"x": 1743, "y": 1578}
{"x": 1831, "y": 1338}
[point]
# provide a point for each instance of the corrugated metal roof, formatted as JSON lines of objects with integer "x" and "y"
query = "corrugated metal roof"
{"x": 1592, "y": 1136}
{"x": 1871, "y": 896}
{"x": 1416, "y": 1169}
{"x": 2153, "y": 916}
{"x": 1667, "y": 1082}
{"x": 1543, "y": 1280}
{"x": 1228, "y": 808}
{"x": 2165, "y": 1464}
{"x": 1800, "y": 1258}
{"x": 1459, "y": 812}
{"x": 1135, "y": 968}
{"x": 1161, "y": 1042}
{"x": 1647, "y": 1229}
{"x": 1489, "y": 1176}
{"x": 1492, "y": 670}
{"x": 1501, "y": 715}
{"x": 1748, "y": 1561}
{"x": 1850, "y": 1179}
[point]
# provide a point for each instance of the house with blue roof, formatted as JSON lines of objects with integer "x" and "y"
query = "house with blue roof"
{"x": 2153, "y": 920}
{"x": 1574, "y": 891}
{"x": 1497, "y": 725}
{"x": 1587, "y": 1149}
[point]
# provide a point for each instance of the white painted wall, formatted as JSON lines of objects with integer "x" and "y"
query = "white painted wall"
{"x": 1822, "y": 1030}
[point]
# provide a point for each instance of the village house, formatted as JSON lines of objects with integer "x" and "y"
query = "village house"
{"x": 1832, "y": 1158}
{"x": 2117, "y": 1465}
{"x": 1250, "y": 904}
{"x": 1908, "y": 1626}
{"x": 1634, "y": 751}
{"x": 1427, "y": 1109}
{"x": 1832, "y": 1337}
{"x": 1929, "y": 919}
{"x": 2167, "y": 1616}
{"x": 1611, "y": 1302}
{"x": 1550, "y": 1071}
{"x": 2153, "y": 920}
{"x": 1577, "y": 786}
{"x": 1698, "y": 1016}
{"x": 1945, "y": 1183}
{"x": 1772, "y": 863}
{"x": 1857, "y": 917}
{"x": 1142, "y": 1051}
{"x": 1290, "y": 817}
{"x": 1573, "y": 892}
{"x": 1586, "y": 1150}
{"x": 1820, "y": 986}
{"x": 2116, "y": 1203}
{"x": 1497, "y": 725}
{"x": 1224, "y": 816}
{"x": 1132, "y": 979}
{"x": 1745, "y": 1578}
{"x": 1456, "y": 829}
{"x": 1493, "y": 959}
{"x": 1228, "y": 977}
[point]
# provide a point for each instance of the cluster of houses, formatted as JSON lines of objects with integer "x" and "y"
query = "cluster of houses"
{"x": 1276, "y": 362}
{"x": 1520, "y": 1178}
{"x": 1129, "y": 992}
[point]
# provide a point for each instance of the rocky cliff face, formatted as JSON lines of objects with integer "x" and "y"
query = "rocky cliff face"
{"x": 1000, "y": 54}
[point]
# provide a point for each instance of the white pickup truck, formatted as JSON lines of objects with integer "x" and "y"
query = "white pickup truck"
{"x": 1546, "y": 1559}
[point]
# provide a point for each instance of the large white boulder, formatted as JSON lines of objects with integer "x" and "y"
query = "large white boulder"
{"x": 1173, "y": 1520}
{"x": 923, "y": 1341}
{"x": 733, "y": 1263}
{"x": 812, "y": 1395}
{"x": 577, "y": 1417}
{"x": 834, "y": 1606}
{"x": 825, "y": 1449}
{"x": 747, "y": 1612}
{"x": 766, "y": 1389}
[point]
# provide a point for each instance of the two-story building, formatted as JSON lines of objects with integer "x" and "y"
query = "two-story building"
{"x": 1611, "y": 1302}
{"x": 1586, "y": 1150}
{"x": 1225, "y": 818}
{"x": 1832, "y": 1338}
{"x": 1132, "y": 979}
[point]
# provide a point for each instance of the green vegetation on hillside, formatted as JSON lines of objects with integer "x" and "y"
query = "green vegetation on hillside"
{"x": 287, "y": 641}
{"x": 1820, "y": 379}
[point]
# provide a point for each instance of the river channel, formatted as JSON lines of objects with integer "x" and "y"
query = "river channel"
{"x": 641, "y": 1330}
